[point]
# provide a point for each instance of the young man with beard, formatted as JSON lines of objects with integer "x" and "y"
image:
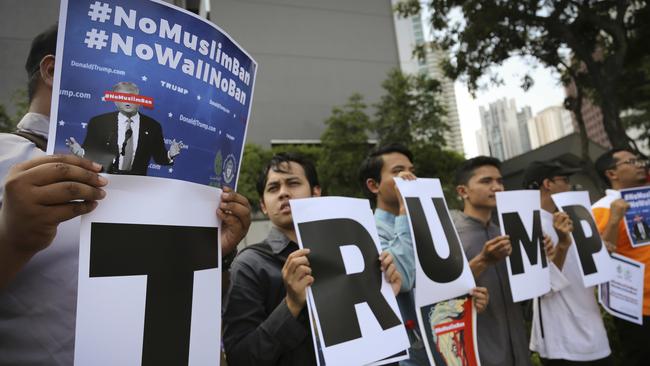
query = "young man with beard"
{"x": 266, "y": 321}
{"x": 567, "y": 326}
{"x": 501, "y": 332}
{"x": 620, "y": 169}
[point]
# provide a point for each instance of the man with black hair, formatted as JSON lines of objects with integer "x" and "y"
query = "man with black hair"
{"x": 501, "y": 332}
{"x": 620, "y": 169}
{"x": 41, "y": 198}
{"x": 567, "y": 326}
{"x": 377, "y": 175}
{"x": 265, "y": 316}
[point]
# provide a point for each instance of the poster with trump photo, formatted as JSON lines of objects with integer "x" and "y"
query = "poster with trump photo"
{"x": 146, "y": 88}
{"x": 637, "y": 217}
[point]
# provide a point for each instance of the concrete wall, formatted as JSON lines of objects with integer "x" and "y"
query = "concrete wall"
{"x": 21, "y": 20}
{"x": 312, "y": 56}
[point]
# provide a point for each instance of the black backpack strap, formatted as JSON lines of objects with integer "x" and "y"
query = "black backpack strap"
{"x": 38, "y": 140}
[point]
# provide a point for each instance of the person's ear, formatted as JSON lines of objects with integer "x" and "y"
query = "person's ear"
{"x": 263, "y": 207}
{"x": 372, "y": 185}
{"x": 461, "y": 190}
{"x": 611, "y": 174}
{"x": 546, "y": 184}
{"x": 316, "y": 191}
{"x": 46, "y": 69}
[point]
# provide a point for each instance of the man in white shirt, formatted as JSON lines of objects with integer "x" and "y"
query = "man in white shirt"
{"x": 567, "y": 325}
{"x": 41, "y": 198}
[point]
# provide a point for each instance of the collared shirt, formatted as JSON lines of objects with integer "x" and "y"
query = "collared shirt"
{"x": 395, "y": 237}
{"x": 37, "y": 308}
{"x": 601, "y": 210}
{"x": 259, "y": 329}
{"x": 567, "y": 324}
{"x": 121, "y": 133}
{"x": 501, "y": 332}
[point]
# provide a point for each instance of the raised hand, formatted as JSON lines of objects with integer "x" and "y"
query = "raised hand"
{"x": 390, "y": 271}
{"x": 296, "y": 274}
{"x": 235, "y": 214}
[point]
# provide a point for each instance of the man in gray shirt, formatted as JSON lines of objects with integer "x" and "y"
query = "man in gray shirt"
{"x": 501, "y": 332}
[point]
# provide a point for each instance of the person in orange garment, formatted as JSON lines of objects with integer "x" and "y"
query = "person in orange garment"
{"x": 621, "y": 168}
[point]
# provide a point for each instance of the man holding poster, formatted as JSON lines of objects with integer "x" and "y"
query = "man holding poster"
{"x": 621, "y": 169}
{"x": 265, "y": 318}
{"x": 501, "y": 332}
{"x": 39, "y": 227}
{"x": 567, "y": 325}
{"x": 377, "y": 175}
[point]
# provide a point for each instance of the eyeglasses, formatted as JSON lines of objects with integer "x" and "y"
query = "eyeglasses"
{"x": 640, "y": 163}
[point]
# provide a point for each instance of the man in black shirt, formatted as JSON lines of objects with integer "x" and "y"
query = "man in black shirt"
{"x": 265, "y": 318}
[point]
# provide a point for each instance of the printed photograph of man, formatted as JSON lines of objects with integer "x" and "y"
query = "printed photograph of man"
{"x": 125, "y": 141}
{"x": 641, "y": 230}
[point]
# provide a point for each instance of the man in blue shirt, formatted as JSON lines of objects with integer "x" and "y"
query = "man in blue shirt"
{"x": 376, "y": 174}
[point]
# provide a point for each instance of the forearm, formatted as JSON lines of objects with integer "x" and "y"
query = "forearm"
{"x": 478, "y": 265}
{"x": 560, "y": 256}
{"x": 610, "y": 233}
{"x": 11, "y": 260}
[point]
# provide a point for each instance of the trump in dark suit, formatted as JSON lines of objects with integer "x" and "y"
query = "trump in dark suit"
{"x": 124, "y": 142}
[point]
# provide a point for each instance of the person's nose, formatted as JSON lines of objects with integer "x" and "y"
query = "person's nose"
{"x": 284, "y": 192}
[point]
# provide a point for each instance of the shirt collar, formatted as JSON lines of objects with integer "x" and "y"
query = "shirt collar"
{"x": 277, "y": 240}
{"x": 613, "y": 192}
{"x": 469, "y": 220}
{"x": 122, "y": 118}
{"x": 36, "y": 123}
{"x": 384, "y": 216}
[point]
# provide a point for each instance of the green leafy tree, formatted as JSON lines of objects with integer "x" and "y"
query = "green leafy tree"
{"x": 8, "y": 123}
{"x": 432, "y": 161}
{"x": 597, "y": 34}
{"x": 344, "y": 145}
{"x": 255, "y": 158}
{"x": 410, "y": 112}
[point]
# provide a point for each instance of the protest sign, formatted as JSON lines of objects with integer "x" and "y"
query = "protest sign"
{"x": 451, "y": 329}
{"x": 149, "y": 276}
{"x": 623, "y": 295}
{"x": 178, "y": 83}
{"x": 355, "y": 311}
{"x": 441, "y": 268}
{"x": 519, "y": 217}
{"x": 637, "y": 216}
{"x": 594, "y": 261}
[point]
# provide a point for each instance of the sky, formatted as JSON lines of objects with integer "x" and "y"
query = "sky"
{"x": 546, "y": 92}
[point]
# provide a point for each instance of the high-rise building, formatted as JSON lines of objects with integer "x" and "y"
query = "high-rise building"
{"x": 549, "y": 125}
{"x": 593, "y": 118}
{"x": 410, "y": 33}
{"x": 312, "y": 55}
{"x": 503, "y": 129}
{"x": 522, "y": 123}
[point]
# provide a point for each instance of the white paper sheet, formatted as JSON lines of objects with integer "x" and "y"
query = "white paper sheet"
{"x": 428, "y": 291}
{"x": 375, "y": 344}
{"x": 595, "y": 263}
{"x": 535, "y": 279}
{"x": 111, "y": 310}
{"x": 623, "y": 295}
